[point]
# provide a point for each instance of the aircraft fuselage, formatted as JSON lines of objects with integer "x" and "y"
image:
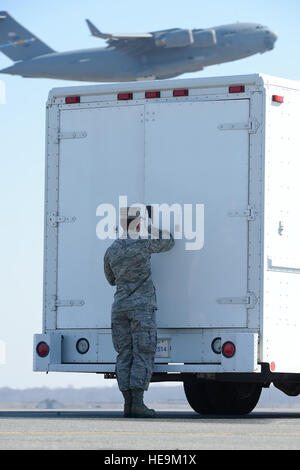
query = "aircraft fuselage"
{"x": 233, "y": 42}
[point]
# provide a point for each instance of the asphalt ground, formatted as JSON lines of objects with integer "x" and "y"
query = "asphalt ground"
{"x": 173, "y": 430}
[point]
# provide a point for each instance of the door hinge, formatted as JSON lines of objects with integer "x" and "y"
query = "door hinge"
{"x": 70, "y": 135}
{"x": 65, "y": 303}
{"x": 252, "y": 126}
{"x": 55, "y": 219}
{"x": 250, "y": 213}
{"x": 281, "y": 269}
{"x": 249, "y": 300}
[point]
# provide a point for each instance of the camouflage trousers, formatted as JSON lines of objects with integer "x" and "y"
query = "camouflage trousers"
{"x": 134, "y": 338}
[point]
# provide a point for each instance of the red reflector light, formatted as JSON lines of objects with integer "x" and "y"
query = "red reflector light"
{"x": 278, "y": 99}
{"x": 237, "y": 89}
{"x": 125, "y": 96}
{"x": 180, "y": 92}
{"x": 152, "y": 94}
{"x": 228, "y": 349}
{"x": 72, "y": 99}
{"x": 272, "y": 366}
{"x": 42, "y": 349}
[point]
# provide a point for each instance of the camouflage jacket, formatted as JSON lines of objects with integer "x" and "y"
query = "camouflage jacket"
{"x": 127, "y": 266}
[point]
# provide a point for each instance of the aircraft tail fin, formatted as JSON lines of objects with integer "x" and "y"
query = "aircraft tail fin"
{"x": 17, "y": 43}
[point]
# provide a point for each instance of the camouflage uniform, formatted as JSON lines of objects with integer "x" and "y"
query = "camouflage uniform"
{"x": 127, "y": 265}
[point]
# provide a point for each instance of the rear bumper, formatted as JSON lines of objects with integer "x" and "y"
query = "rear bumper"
{"x": 194, "y": 350}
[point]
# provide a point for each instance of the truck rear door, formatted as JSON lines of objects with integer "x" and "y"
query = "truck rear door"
{"x": 95, "y": 169}
{"x": 156, "y": 153}
{"x": 192, "y": 156}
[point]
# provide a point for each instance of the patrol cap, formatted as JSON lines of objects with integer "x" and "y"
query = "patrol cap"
{"x": 128, "y": 215}
{"x": 130, "y": 212}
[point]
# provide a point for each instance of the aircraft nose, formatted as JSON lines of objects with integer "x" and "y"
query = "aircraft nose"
{"x": 270, "y": 38}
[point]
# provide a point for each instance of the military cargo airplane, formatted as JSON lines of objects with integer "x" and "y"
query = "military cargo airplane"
{"x": 130, "y": 57}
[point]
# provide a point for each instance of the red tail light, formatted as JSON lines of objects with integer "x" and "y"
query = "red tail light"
{"x": 42, "y": 349}
{"x": 228, "y": 349}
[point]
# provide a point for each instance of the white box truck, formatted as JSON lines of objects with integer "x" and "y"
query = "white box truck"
{"x": 223, "y": 154}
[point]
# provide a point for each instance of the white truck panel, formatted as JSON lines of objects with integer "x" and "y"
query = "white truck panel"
{"x": 281, "y": 320}
{"x": 182, "y": 163}
{"x": 92, "y": 170}
{"x": 236, "y": 155}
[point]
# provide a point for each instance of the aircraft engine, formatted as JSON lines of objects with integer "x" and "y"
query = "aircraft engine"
{"x": 205, "y": 38}
{"x": 180, "y": 38}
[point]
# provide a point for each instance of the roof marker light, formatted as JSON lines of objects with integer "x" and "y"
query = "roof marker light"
{"x": 237, "y": 89}
{"x": 278, "y": 99}
{"x": 72, "y": 99}
{"x": 180, "y": 92}
{"x": 152, "y": 94}
{"x": 124, "y": 96}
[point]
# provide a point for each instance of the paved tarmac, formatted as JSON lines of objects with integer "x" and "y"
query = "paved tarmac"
{"x": 181, "y": 430}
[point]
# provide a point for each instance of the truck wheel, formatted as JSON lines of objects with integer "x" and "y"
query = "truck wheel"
{"x": 197, "y": 397}
{"x": 222, "y": 398}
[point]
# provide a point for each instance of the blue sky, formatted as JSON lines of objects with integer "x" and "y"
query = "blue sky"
{"x": 60, "y": 23}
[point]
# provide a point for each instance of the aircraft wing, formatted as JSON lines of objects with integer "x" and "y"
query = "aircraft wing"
{"x": 134, "y": 44}
{"x": 96, "y": 32}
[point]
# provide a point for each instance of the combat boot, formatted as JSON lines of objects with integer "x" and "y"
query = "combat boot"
{"x": 138, "y": 407}
{"x": 128, "y": 403}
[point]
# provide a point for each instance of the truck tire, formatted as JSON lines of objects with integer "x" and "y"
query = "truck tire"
{"x": 223, "y": 398}
{"x": 197, "y": 397}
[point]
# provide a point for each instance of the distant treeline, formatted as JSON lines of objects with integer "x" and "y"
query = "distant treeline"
{"x": 85, "y": 395}
{"x": 111, "y": 394}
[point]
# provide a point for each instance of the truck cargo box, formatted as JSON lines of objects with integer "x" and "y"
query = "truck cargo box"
{"x": 223, "y": 155}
